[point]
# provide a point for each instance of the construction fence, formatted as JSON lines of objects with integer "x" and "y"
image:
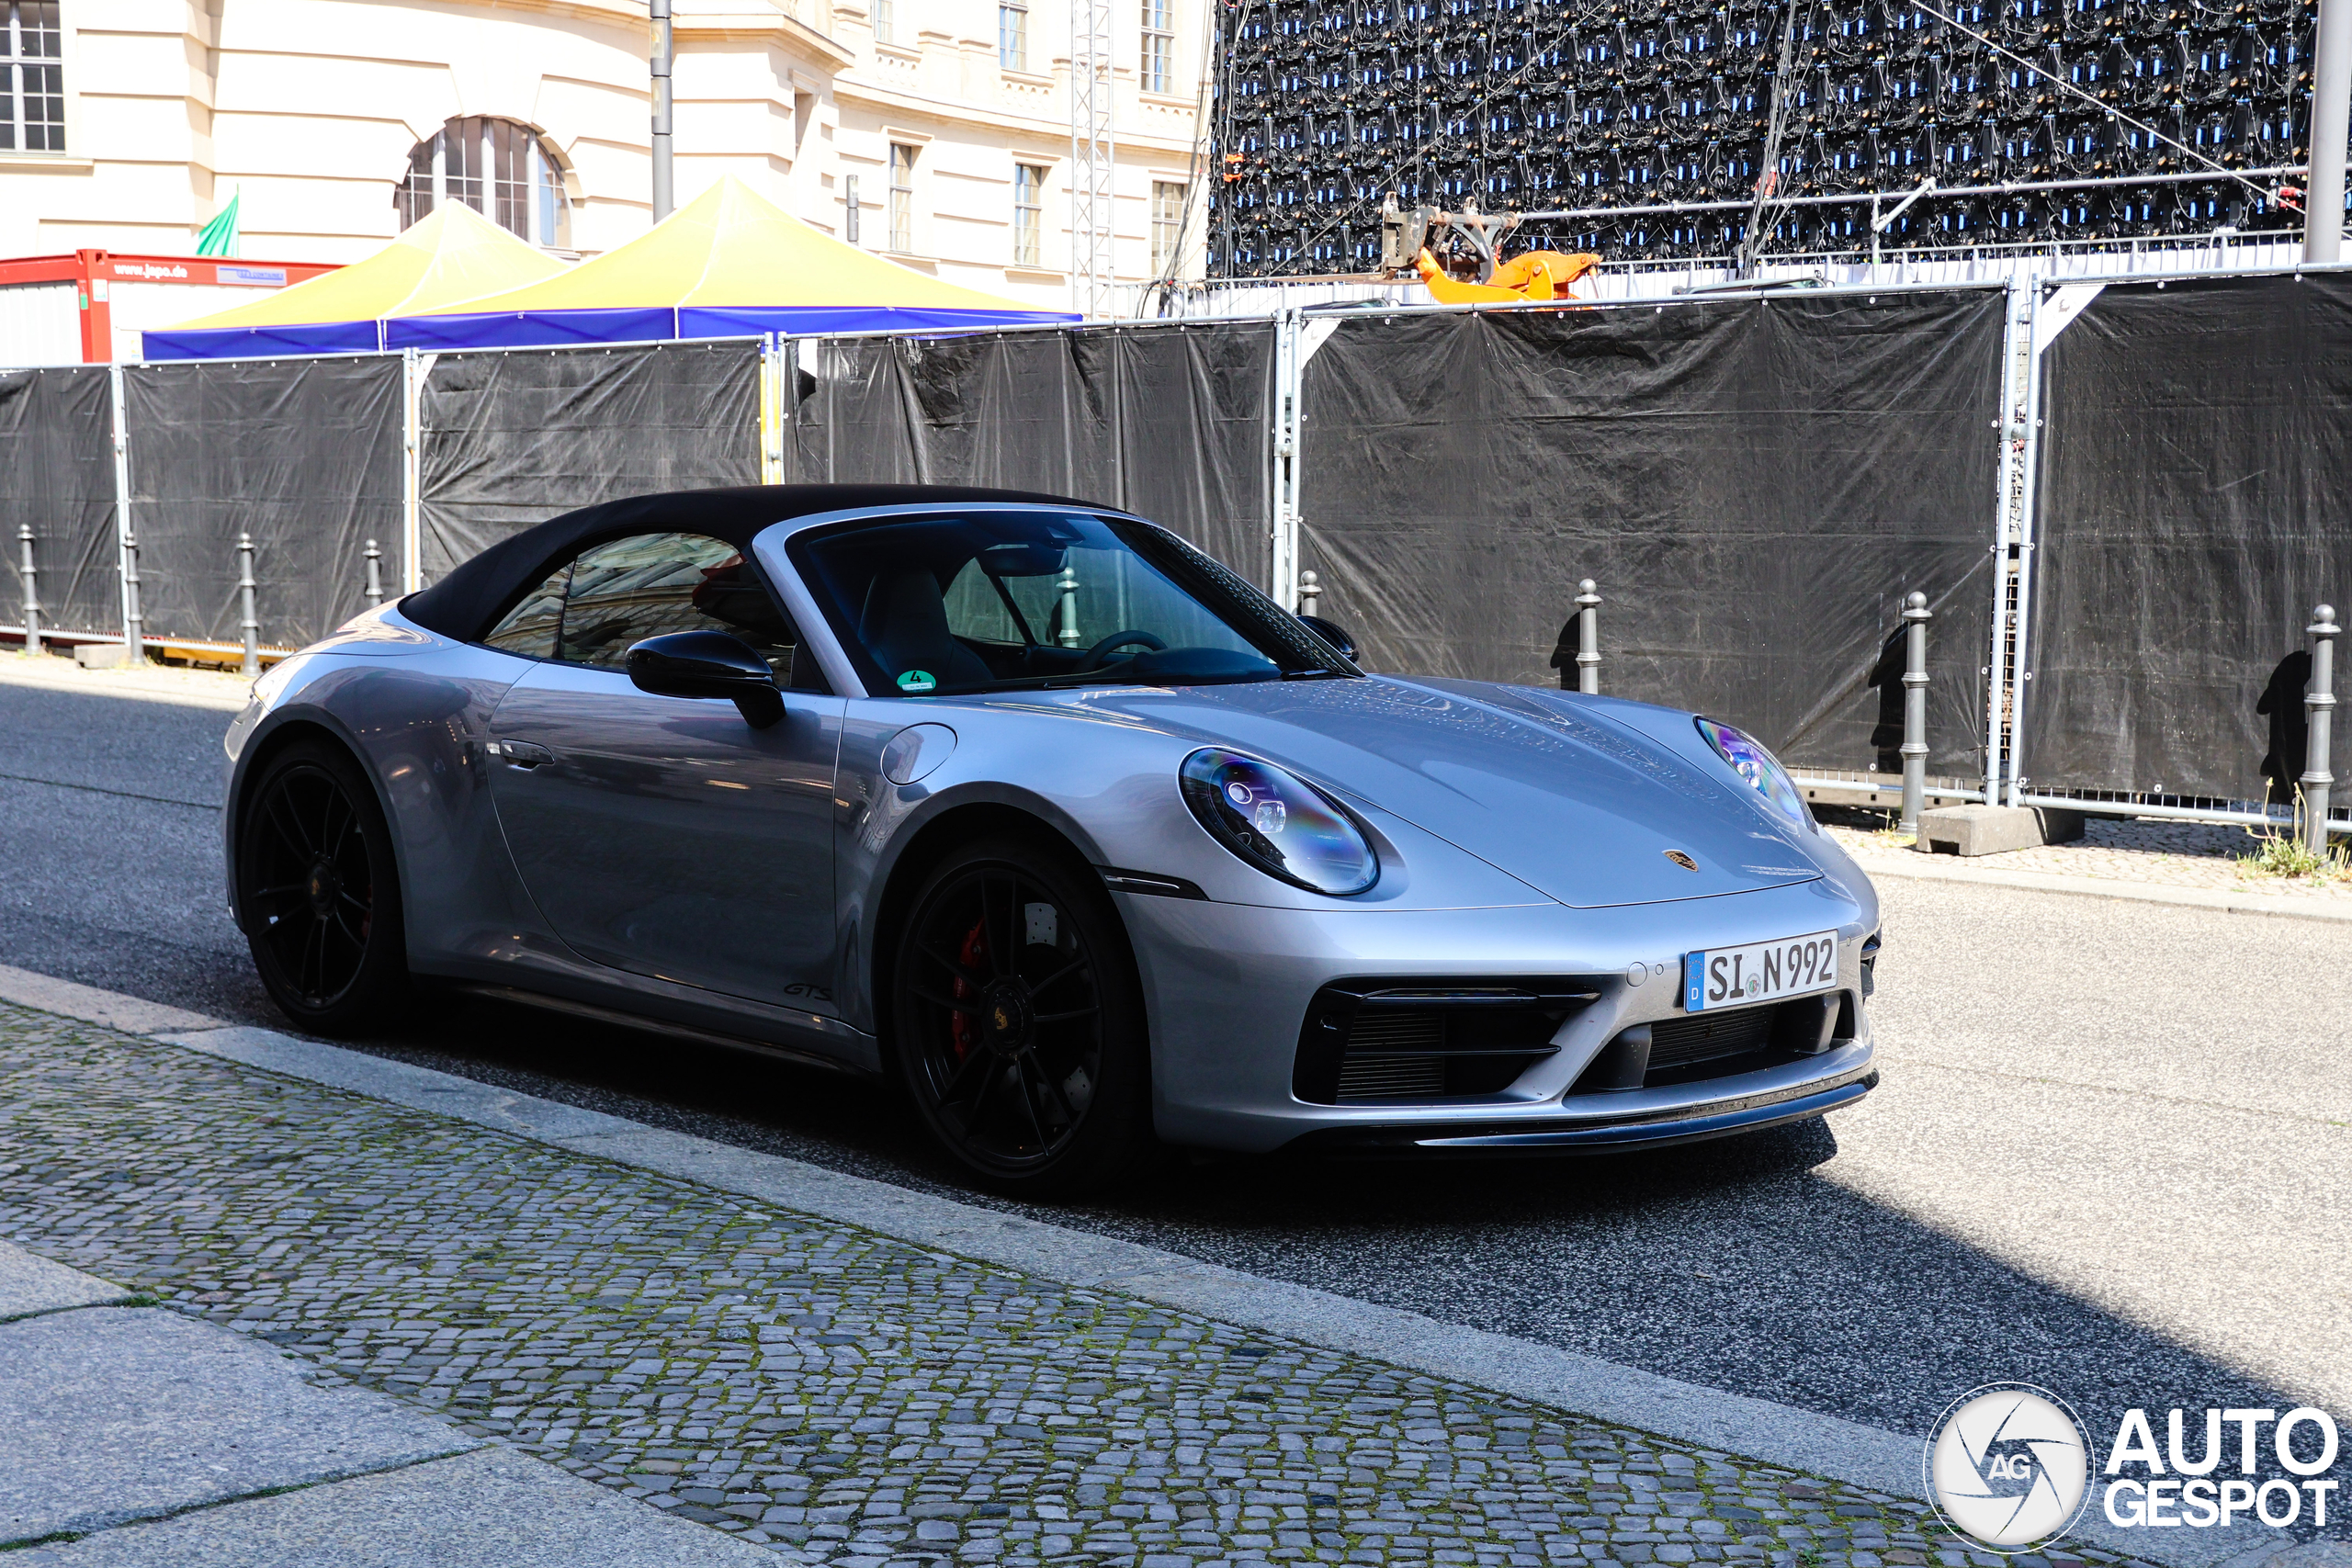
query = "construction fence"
{"x": 2122, "y": 499}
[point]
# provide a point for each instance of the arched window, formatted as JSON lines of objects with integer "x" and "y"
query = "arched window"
{"x": 503, "y": 169}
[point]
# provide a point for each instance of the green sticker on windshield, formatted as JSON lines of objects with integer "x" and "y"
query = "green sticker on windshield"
{"x": 917, "y": 681}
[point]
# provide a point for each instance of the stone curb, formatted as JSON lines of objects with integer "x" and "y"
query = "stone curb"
{"x": 1777, "y": 1434}
{"x": 2105, "y": 887}
{"x": 92, "y": 1005}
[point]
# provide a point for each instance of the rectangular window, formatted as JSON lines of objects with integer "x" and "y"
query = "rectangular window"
{"x": 1028, "y": 213}
{"x": 849, "y": 210}
{"x": 415, "y": 197}
{"x": 543, "y": 197}
{"x": 461, "y": 170}
{"x": 1167, "y": 225}
{"x": 1013, "y": 36}
{"x": 32, "y": 78}
{"x": 1158, "y": 47}
{"x": 506, "y": 160}
{"x": 902, "y": 199}
{"x": 886, "y": 24}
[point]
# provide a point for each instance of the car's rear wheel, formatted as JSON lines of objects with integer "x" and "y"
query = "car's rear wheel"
{"x": 320, "y": 892}
{"x": 1016, "y": 1023}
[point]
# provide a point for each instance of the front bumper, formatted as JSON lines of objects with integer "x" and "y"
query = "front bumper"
{"x": 1228, "y": 986}
{"x": 1719, "y": 1117}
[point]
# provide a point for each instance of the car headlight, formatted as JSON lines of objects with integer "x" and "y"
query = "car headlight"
{"x": 1759, "y": 767}
{"x": 1279, "y": 823}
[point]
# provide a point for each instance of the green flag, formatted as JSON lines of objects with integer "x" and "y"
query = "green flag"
{"x": 219, "y": 238}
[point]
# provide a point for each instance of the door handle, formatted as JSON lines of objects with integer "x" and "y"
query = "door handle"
{"x": 519, "y": 753}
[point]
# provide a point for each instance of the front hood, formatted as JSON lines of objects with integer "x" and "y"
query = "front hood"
{"x": 1551, "y": 791}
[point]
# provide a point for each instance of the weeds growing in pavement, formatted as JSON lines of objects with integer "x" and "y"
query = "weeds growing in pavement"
{"x": 2282, "y": 853}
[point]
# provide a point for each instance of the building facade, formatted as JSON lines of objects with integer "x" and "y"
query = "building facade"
{"x": 937, "y": 131}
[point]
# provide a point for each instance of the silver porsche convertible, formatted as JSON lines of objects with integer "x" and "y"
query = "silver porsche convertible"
{"x": 1042, "y": 816}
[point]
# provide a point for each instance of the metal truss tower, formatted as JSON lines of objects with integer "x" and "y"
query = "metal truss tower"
{"x": 1094, "y": 159}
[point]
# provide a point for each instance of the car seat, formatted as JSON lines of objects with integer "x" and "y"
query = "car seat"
{"x": 905, "y": 628}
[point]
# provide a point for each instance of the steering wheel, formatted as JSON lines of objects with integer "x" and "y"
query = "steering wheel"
{"x": 1094, "y": 659}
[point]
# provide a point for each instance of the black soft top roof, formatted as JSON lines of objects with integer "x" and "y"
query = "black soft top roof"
{"x": 466, "y": 604}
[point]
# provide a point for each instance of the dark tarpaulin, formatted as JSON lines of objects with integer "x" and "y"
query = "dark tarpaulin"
{"x": 1754, "y": 486}
{"x": 1169, "y": 421}
{"x": 303, "y": 454}
{"x": 2192, "y": 509}
{"x": 513, "y": 439}
{"x": 57, "y": 475}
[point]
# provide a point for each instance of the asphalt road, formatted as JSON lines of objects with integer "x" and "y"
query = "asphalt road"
{"x": 2109, "y": 1156}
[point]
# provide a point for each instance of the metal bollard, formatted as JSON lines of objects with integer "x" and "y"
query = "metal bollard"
{"x": 32, "y": 592}
{"x": 2318, "y": 698}
{"x": 1587, "y": 639}
{"x": 374, "y": 575}
{"x": 1068, "y": 586}
{"x": 1914, "y": 749}
{"x": 134, "y": 640}
{"x": 245, "y": 604}
{"x": 1310, "y": 592}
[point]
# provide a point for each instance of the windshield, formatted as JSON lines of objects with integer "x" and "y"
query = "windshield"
{"x": 1000, "y": 601}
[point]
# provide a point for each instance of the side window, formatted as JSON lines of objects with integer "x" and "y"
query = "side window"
{"x": 594, "y": 608}
{"x": 530, "y": 626}
{"x": 652, "y": 584}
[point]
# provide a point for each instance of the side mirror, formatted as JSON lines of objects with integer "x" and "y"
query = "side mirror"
{"x": 1332, "y": 633}
{"x": 708, "y": 664}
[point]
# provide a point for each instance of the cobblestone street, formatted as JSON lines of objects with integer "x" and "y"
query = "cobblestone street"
{"x": 837, "y": 1396}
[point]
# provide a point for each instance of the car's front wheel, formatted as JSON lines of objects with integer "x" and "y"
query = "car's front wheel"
{"x": 320, "y": 892}
{"x": 1016, "y": 1023}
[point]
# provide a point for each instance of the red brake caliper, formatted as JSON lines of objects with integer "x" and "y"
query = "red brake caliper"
{"x": 970, "y": 955}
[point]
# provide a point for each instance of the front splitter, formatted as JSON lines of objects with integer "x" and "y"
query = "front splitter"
{"x": 1590, "y": 1135}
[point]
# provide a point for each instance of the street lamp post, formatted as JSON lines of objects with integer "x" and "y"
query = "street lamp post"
{"x": 2331, "y": 107}
{"x": 663, "y": 191}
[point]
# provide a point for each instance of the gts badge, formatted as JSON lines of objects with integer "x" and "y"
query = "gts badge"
{"x": 1685, "y": 862}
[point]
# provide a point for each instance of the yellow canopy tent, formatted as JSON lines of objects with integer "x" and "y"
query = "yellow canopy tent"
{"x": 728, "y": 263}
{"x": 453, "y": 254}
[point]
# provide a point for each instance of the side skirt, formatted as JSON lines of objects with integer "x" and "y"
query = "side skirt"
{"x": 660, "y": 1026}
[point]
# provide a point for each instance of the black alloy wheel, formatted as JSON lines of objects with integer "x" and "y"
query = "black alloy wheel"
{"x": 1017, "y": 1026}
{"x": 320, "y": 892}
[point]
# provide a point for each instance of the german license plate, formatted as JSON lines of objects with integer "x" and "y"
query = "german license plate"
{"x": 1760, "y": 972}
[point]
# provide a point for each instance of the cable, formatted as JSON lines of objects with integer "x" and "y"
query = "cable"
{"x": 1768, "y": 178}
{"x": 1201, "y": 168}
{"x": 2111, "y": 112}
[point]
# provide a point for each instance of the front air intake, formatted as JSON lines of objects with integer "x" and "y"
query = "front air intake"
{"x": 1390, "y": 1041}
{"x": 1704, "y": 1036}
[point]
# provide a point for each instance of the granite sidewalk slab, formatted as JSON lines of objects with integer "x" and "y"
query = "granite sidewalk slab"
{"x": 138, "y": 1436}
{"x": 30, "y": 1285}
{"x": 490, "y": 1508}
{"x": 109, "y": 1414}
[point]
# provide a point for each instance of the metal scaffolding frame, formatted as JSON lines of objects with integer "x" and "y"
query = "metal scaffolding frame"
{"x": 1093, "y": 160}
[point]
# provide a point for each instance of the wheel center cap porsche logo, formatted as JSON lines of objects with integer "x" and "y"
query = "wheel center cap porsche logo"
{"x": 1005, "y": 1016}
{"x": 1685, "y": 862}
{"x": 321, "y": 886}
